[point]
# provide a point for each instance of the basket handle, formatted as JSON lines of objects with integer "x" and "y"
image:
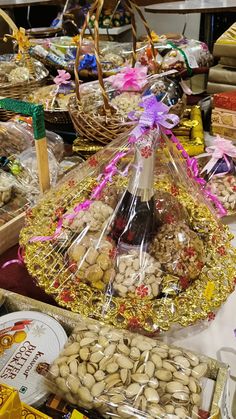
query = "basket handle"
{"x": 98, "y": 5}
{"x": 37, "y": 113}
{"x": 14, "y": 29}
{"x": 132, "y": 6}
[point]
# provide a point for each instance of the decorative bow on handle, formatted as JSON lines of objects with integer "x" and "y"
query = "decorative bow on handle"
{"x": 129, "y": 79}
{"x": 22, "y": 40}
{"x": 221, "y": 149}
{"x": 155, "y": 115}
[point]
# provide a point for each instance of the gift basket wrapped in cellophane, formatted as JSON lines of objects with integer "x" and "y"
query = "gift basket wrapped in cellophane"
{"x": 19, "y": 73}
{"x": 131, "y": 237}
{"x": 103, "y": 123}
{"x": 218, "y": 167}
{"x": 54, "y": 98}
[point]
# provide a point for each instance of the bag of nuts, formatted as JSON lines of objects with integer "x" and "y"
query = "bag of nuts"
{"x": 220, "y": 172}
{"x": 124, "y": 375}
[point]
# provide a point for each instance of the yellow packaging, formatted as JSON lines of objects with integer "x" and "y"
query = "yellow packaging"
{"x": 29, "y": 412}
{"x": 77, "y": 415}
{"x": 10, "y": 404}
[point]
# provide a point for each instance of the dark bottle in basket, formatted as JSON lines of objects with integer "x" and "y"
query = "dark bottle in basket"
{"x": 134, "y": 223}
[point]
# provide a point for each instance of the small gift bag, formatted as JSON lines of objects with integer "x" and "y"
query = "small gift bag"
{"x": 220, "y": 172}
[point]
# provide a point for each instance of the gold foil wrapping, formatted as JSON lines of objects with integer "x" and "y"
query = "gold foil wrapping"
{"x": 190, "y": 131}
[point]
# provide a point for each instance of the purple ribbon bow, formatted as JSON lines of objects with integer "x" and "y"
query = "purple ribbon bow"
{"x": 155, "y": 115}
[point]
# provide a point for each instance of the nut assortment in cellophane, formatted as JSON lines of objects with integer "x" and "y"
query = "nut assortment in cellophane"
{"x": 122, "y": 374}
{"x": 219, "y": 169}
{"x": 129, "y": 237}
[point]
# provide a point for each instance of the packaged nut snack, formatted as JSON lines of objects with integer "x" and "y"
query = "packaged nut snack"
{"x": 124, "y": 375}
{"x": 219, "y": 170}
{"x": 131, "y": 235}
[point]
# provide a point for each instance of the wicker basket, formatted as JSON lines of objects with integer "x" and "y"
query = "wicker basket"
{"x": 107, "y": 125}
{"x": 20, "y": 90}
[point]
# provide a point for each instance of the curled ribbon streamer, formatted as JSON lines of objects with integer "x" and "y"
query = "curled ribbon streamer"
{"x": 221, "y": 148}
{"x": 19, "y": 260}
{"x": 193, "y": 166}
{"x": 155, "y": 114}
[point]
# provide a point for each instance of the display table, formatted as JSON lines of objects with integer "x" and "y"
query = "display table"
{"x": 208, "y": 7}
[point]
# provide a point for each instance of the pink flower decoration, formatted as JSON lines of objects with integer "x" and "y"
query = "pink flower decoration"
{"x": 62, "y": 78}
{"x": 130, "y": 79}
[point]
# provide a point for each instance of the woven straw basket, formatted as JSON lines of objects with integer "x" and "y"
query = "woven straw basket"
{"x": 106, "y": 126}
{"x": 20, "y": 90}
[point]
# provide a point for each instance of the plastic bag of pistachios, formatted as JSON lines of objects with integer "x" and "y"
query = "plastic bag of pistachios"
{"x": 124, "y": 375}
{"x": 131, "y": 236}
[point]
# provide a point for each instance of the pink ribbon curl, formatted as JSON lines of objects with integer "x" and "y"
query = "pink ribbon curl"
{"x": 221, "y": 148}
{"x": 192, "y": 165}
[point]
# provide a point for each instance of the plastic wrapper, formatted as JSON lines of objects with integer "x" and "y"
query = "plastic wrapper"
{"x": 61, "y": 52}
{"x": 23, "y": 131}
{"x": 53, "y": 98}
{"x": 167, "y": 91}
{"x": 220, "y": 171}
{"x": 27, "y": 176}
{"x": 14, "y": 138}
{"x": 109, "y": 250}
{"x": 126, "y": 90}
{"x": 13, "y": 71}
{"x": 121, "y": 374}
{"x": 179, "y": 54}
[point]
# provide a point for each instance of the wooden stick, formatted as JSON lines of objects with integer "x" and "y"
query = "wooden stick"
{"x": 43, "y": 166}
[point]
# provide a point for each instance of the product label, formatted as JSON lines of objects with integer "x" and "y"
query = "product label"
{"x": 27, "y": 347}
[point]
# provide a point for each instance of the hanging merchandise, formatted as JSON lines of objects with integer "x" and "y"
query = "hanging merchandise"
{"x": 130, "y": 237}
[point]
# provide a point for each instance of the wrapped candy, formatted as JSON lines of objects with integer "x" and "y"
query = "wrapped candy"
{"x": 131, "y": 236}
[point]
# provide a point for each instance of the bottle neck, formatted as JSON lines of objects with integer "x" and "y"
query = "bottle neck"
{"x": 142, "y": 175}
